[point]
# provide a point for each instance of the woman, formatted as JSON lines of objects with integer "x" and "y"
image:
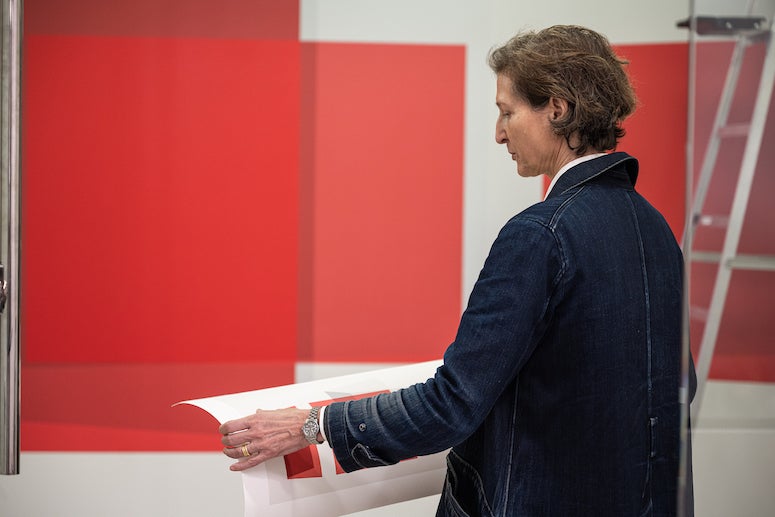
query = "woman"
{"x": 559, "y": 395}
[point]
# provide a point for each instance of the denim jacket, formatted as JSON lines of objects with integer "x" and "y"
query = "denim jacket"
{"x": 560, "y": 393}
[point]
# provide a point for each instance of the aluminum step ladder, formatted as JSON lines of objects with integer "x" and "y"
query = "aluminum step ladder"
{"x": 746, "y": 30}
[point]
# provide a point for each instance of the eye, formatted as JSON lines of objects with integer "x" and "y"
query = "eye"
{"x": 505, "y": 114}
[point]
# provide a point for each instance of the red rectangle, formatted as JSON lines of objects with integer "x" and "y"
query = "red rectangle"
{"x": 382, "y": 171}
{"x": 231, "y": 19}
{"x": 656, "y": 133}
{"x": 128, "y": 407}
{"x": 160, "y": 200}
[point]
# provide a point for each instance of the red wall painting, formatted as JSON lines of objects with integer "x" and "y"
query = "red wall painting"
{"x": 208, "y": 201}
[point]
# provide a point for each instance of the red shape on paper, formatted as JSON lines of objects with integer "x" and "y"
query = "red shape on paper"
{"x": 303, "y": 464}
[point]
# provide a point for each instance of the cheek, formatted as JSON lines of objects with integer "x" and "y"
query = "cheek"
{"x": 519, "y": 129}
{"x": 512, "y": 132}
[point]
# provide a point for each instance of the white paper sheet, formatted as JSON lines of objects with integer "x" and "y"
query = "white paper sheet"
{"x": 317, "y": 489}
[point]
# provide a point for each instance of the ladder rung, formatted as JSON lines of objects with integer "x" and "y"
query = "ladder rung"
{"x": 753, "y": 262}
{"x": 734, "y": 130}
{"x": 717, "y": 221}
{"x": 698, "y": 313}
{"x": 749, "y": 262}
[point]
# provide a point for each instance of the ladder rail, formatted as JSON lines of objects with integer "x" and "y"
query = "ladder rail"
{"x": 720, "y": 121}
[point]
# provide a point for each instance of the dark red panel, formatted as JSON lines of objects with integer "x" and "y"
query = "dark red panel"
{"x": 233, "y": 19}
{"x": 383, "y": 139}
{"x": 160, "y": 200}
{"x": 127, "y": 407}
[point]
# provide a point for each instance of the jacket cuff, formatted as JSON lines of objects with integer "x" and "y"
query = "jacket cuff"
{"x": 335, "y": 430}
{"x": 347, "y": 429}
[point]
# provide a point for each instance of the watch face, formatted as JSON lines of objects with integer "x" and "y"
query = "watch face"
{"x": 311, "y": 429}
{"x": 311, "y": 426}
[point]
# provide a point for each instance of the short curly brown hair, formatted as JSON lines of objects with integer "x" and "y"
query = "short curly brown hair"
{"x": 575, "y": 64}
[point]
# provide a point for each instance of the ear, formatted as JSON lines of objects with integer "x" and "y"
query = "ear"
{"x": 558, "y": 108}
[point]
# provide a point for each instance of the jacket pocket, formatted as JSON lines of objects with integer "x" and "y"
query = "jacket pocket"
{"x": 463, "y": 494}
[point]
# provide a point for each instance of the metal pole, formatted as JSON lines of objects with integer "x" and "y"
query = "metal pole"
{"x": 685, "y": 499}
{"x": 10, "y": 236}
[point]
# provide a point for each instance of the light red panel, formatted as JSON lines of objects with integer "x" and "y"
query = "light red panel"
{"x": 382, "y": 151}
{"x": 657, "y": 136}
{"x": 232, "y": 19}
{"x": 656, "y": 133}
{"x": 757, "y": 236}
{"x": 744, "y": 349}
{"x": 160, "y": 200}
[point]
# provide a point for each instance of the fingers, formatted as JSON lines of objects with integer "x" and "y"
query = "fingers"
{"x": 234, "y": 426}
{"x": 262, "y": 423}
{"x": 243, "y": 451}
{"x": 242, "y": 430}
{"x": 262, "y": 436}
{"x": 246, "y": 455}
{"x": 238, "y": 438}
{"x": 258, "y": 452}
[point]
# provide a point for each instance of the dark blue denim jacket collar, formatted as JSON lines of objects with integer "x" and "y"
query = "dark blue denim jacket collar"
{"x": 591, "y": 169}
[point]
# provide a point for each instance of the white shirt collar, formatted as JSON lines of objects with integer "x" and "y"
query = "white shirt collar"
{"x": 567, "y": 166}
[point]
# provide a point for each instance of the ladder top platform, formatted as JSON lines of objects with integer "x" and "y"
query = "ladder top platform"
{"x": 727, "y": 25}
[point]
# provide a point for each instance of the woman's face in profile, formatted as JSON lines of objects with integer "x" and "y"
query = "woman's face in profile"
{"x": 527, "y": 132}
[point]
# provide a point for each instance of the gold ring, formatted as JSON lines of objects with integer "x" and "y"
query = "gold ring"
{"x": 245, "y": 451}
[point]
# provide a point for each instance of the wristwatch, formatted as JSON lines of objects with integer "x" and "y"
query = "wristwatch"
{"x": 311, "y": 426}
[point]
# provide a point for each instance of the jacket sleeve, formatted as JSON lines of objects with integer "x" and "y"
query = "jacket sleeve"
{"x": 507, "y": 313}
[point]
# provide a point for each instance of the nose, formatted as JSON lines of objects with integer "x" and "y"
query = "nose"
{"x": 500, "y": 133}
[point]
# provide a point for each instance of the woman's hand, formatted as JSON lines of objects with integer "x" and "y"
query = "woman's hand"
{"x": 264, "y": 435}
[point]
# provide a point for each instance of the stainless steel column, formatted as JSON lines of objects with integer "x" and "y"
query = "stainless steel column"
{"x": 10, "y": 235}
